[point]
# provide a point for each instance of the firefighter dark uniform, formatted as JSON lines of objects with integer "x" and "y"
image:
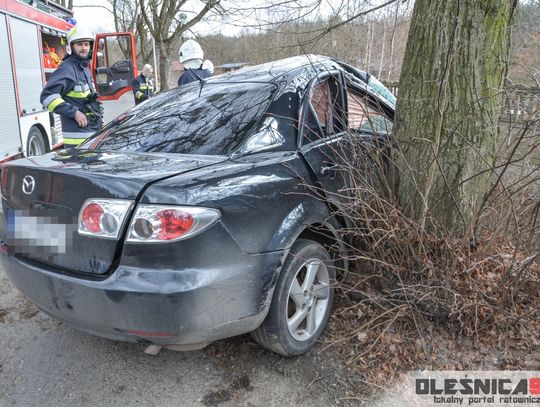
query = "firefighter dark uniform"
{"x": 71, "y": 88}
{"x": 143, "y": 88}
{"x": 192, "y": 75}
{"x": 191, "y": 57}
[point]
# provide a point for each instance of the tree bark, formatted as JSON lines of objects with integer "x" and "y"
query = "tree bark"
{"x": 166, "y": 53}
{"x": 448, "y": 111}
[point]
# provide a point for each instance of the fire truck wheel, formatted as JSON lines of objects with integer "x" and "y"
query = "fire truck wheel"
{"x": 35, "y": 144}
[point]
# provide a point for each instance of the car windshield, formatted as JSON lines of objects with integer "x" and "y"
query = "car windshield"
{"x": 214, "y": 120}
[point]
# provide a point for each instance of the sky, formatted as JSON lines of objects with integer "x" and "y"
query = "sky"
{"x": 98, "y": 19}
{"x": 93, "y": 17}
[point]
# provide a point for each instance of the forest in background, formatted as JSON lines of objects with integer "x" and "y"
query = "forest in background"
{"x": 365, "y": 33}
{"x": 374, "y": 43}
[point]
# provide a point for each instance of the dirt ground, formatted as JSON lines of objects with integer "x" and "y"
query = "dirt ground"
{"x": 45, "y": 363}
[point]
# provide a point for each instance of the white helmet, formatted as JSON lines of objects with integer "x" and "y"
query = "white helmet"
{"x": 190, "y": 50}
{"x": 77, "y": 34}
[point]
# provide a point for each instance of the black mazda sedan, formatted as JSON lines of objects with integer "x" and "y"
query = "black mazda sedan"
{"x": 206, "y": 212}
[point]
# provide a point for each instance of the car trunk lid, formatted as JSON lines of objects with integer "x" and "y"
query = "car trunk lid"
{"x": 42, "y": 197}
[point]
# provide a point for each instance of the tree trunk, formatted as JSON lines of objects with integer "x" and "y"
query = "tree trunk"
{"x": 166, "y": 53}
{"x": 166, "y": 22}
{"x": 381, "y": 62}
{"x": 369, "y": 46}
{"x": 145, "y": 56}
{"x": 392, "y": 44}
{"x": 448, "y": 110}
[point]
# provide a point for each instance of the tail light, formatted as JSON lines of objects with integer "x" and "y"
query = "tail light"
{"x": 103, "y": 217}
{"x": 160, "y": 223}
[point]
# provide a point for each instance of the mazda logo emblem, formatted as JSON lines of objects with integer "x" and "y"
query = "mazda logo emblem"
{"x": 28, "y": 184}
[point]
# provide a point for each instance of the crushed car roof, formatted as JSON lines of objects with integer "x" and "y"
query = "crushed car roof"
{"x": 295, "y": 73}
{"x": 274, "y": 71}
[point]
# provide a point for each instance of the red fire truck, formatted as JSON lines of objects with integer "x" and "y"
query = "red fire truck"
{"x": 32, "y": 34}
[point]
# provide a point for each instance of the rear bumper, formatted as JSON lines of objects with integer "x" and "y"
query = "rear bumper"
{"x": 188, "y": 306}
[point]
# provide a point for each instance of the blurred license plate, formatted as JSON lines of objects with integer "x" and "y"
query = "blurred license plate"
{"x": 30, "y": 234}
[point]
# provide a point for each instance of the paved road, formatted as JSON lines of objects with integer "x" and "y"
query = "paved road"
{"x": 45, "y": 363}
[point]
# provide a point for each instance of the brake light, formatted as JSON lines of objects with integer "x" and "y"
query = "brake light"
{"x": 174, "y": 223}
{"x": 103, "y": 217}
{"x": 91, "y": 217}
{"x": 160, "y": 223}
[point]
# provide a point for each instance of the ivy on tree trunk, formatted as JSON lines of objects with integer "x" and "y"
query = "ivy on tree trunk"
{"x": 449, "y": 105}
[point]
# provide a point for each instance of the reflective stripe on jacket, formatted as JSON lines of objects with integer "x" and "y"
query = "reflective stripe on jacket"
{"x": 143, "y": 88}
{"x": 66, "y": 92}
{"x": 73, "y": 139}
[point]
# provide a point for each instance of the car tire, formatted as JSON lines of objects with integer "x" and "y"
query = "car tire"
{"x": 35, "y": 144}
{"x": 300, "y": 308}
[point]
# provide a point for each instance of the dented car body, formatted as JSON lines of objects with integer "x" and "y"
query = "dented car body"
{"x": 192, "y": 217}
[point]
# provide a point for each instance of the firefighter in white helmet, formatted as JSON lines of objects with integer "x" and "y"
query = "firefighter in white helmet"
{"x": 143, "y": 85}
{"x": 191, "y": 57}
{"x": 70, "y": 90}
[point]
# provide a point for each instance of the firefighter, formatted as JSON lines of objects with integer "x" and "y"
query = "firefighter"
{"x": 70, "y": 90}
{"x": 143, "y": 85}
{"x": 191, "y": 57}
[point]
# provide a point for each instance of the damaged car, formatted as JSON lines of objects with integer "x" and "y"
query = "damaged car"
{"x": 206, "y": 212}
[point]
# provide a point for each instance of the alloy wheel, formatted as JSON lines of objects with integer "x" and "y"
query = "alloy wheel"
{"x": 308, "y": 299}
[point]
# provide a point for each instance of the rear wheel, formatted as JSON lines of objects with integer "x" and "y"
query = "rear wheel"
{"x": 301, "y": 302}
{"x": 35, "y": 144}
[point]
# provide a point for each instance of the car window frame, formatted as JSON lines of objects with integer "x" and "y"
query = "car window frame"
{"x": 306, "y": 104}
{"x": 373, "y": 103}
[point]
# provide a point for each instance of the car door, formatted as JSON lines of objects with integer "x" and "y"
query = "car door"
{"x": 323, "y": 137}
{"x": 114, "y": 66}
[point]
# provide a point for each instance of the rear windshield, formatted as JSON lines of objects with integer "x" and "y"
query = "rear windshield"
{"x": 214, "y": 120}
